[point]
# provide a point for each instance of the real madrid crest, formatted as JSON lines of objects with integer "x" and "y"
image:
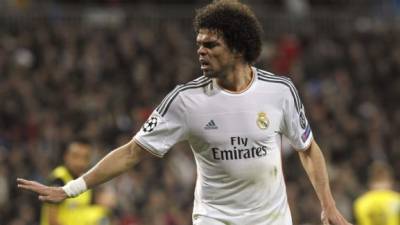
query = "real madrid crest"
{"x": 262, "y": 121}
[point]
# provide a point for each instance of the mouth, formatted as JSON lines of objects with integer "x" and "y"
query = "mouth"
{"x": 204, "y": 65}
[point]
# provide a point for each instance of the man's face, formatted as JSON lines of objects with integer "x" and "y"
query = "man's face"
{"x": 216, "y": 59}
{"x": 77, "y": 158}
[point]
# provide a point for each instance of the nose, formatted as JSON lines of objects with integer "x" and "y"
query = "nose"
{"x": 201, "y": 50}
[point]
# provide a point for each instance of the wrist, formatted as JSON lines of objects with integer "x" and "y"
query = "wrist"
{"x": 75, "y": 187}
{"x": 328, "y": 202}
{"x": 328, "y": 206}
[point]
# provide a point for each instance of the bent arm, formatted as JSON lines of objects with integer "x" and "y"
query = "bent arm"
{"x": 113, "y": 164}
{"x": 314, "y": 164}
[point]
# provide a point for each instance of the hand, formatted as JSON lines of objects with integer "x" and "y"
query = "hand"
{"x": 46, "y": 193}
{"x": 332, "y": 216}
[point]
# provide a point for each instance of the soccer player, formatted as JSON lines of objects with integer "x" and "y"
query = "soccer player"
{"x": 381, "y": 204}
{"x": 234, "y": 117}
{"x": 79, "y": 210}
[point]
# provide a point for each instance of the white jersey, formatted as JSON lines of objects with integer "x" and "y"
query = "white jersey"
{"x": 236, "y": 141}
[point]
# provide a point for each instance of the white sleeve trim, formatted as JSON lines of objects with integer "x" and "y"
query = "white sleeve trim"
{"x": 306, "y": 145}
{"x": 147, "y": 147}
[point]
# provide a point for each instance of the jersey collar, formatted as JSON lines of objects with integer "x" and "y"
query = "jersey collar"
{"x": 214, "y": 87}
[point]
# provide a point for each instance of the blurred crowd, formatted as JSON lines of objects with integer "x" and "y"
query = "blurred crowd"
{"x": 60, "y": 80}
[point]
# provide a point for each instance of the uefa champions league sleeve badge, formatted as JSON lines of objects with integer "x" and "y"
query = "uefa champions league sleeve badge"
{"x": 262, "y": 121}
{"x": 150, "y": 124}
{"x": 302, "y": 119}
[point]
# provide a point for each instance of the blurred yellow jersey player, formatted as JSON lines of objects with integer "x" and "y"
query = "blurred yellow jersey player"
{"x": 380, "y": 205}
{"x": 79, "y": 210}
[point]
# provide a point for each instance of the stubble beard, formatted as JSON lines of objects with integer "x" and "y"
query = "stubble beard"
{"x": 210, "y": 74}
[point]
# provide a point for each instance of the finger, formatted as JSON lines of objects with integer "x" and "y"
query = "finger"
{"x": 32, "y": 186}
{"x": 347, "y": 223}
{"x": 325, "y": 221}
{"x": 46, "y": 198}
{"x": 29, "y": 183}
{"x": 43, "y": 198}
{"x": 23, "y": 181}
{"x": 24, "y": 186}
{"x": 343, "y": 221}
{"x": 29, "y": 187}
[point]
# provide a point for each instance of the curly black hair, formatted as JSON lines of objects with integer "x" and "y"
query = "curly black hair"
{"x": 238, "y": 24}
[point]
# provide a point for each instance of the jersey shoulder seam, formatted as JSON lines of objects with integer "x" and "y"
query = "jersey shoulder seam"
{"x": 194, "y": 84}
{"x": 285, "y": 82}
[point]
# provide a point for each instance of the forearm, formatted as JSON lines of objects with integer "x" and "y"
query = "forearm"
{"x": 314, "y": 163}
{"x": 113, "y": 164}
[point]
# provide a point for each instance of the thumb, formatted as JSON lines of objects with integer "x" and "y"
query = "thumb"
{"x": 43, "y": 198}
{"x": 324, "y": 218}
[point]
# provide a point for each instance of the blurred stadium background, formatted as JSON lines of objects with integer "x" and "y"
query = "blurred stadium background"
{"x": 98, "y": 68}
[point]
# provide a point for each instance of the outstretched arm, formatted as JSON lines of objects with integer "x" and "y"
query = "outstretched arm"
{"x": 314, "y": 163}
{"x": 116, "y": 162}
{"x": 113, "y": 164}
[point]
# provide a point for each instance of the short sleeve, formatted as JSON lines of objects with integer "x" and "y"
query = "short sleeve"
{"x": 165, "y": 127}
{"x": 295, "y": 125}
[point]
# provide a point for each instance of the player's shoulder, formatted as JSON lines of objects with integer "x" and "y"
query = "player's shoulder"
{"x": 61, "y": 172}
{"x": 390, "y": 194}
{"x": 373, "y": 196}
{"x": 279, "y": 81}
{"x": 190, "y": 88}
{"x": 362, "y": 198}
{"x": 59, "y": 176}
{"x": 281, "y": 84}
{"x": 197, "y": 83}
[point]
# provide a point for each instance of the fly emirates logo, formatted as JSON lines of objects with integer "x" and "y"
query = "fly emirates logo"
{"x": 240, "y": 149}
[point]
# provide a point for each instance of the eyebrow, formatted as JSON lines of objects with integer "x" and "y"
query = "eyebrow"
{"x": 215, "y": 42}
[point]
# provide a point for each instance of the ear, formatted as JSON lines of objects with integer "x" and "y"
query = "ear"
{"x": 238, "y": 54}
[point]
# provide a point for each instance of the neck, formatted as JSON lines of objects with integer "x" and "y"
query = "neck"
{"x": 237, "y": 79}
{"x": 382, "y": 185}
